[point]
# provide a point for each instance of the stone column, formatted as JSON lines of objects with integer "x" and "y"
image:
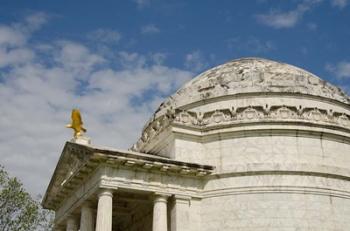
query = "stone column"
{"x": 180, "y": 214}
{"x": 160, "y": 213}
{"x": 87, "y": 217}
{"x": 72, "y": 224}
{"x": 104, "y": 210}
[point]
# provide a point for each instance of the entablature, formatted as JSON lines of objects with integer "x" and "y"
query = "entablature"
{"x": 78, "y": 163}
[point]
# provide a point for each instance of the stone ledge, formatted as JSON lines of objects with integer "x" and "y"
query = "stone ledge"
{"x": 176, "y": 167}
{"x": 275, "y": 189}
{"x": 284, "y": 169}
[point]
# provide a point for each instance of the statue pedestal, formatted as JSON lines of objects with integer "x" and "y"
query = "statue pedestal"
{"x": 81, "y": 140}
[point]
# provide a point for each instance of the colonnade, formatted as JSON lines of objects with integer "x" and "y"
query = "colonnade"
{"x": 179, "y": 214}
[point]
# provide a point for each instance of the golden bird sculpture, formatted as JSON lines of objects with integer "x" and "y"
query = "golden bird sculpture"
{"x": 76, "y": 124}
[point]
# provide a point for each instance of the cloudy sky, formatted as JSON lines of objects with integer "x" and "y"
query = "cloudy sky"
{"x": 117, "y": 61}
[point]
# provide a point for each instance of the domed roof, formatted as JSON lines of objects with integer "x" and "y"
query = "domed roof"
{"x": 252, "y": 75}
{"x": 249, "y": 92}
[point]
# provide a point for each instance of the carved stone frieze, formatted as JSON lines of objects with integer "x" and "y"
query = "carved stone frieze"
{"x": 252, "y": 113}
{"x": 283, "y": 113}
{"x": 185, "y": 118}
{"x": 218, "y": 117}
{"x": 315, "y": 114}
{"x": 344, "y": 120}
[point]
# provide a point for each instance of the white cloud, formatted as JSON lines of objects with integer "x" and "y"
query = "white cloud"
{"x": 195, "y": 61}
{"x": 158, "y": 58}
{"x": 142, "y": 3}
{"x": 11, "y": 37}
{"x": 312, "y": 26}
{"x": 35, "y": 21}
{"x": 40, "y": 84}
{"x": 150, "y": 29}
{"x": 76, "y": 58}
{"x": 136, "y": 60}
{"x": 15, "y": 56}
{"x": 251, "y": 45}
{"x": 278, "y": 19}
{"x": 341, "y": 70}
{"x": 339, "y": 3}
{"x": 105, "y": 36}
{"x": 131, "y": 60}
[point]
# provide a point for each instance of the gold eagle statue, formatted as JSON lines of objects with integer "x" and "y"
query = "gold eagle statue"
{"x": 76, "y": 124}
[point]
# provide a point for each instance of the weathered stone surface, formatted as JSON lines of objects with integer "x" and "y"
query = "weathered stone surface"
{"x": 250, "y": 145}
{"x": 248, "y": 91}
{"x": 252, "y": 75}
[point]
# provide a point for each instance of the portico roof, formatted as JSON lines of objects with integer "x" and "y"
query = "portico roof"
{"x": 77, "y": 161}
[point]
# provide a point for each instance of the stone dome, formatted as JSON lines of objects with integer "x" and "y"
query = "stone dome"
{"x": 252, "y": 75}
{"x": 246, "y": 91}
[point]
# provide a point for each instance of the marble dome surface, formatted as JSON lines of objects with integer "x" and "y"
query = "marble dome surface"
{"x": 250, "y": 91}
{"x": 252, "y": 75}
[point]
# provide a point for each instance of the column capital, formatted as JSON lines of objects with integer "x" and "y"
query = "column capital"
{"x": 105, "y": 192}
{"x": 182, "y": 197}
{"x": 161, "y": 197}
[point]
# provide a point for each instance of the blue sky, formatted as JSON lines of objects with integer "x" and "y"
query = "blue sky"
{"x": 117, "y": 61}
{"x": 310, "y": 38}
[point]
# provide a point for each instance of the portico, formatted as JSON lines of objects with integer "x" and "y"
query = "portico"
{"x": 104, "y": 190}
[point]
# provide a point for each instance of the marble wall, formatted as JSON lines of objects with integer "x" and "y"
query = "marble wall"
{"x": 231, "y": 154}
{"x": 275, "y": 212}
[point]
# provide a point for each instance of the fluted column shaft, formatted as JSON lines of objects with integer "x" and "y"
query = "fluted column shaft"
{"x": 160, "y": 213}
{"x": 104, "y": 211}
{"x": 87, "y": 218}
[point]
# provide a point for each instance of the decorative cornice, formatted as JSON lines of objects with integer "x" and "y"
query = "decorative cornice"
{"x": 78, "y": 161}
{"x": 159, "y": 165}
{"x": 242, "y": 116}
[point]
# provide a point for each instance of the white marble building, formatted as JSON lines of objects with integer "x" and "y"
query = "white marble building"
{"x": 250, "y": 145}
